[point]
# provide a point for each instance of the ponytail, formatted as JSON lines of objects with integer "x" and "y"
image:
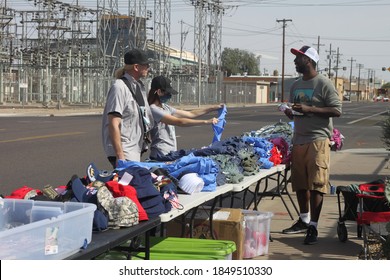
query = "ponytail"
{"x": 119, "y": 73}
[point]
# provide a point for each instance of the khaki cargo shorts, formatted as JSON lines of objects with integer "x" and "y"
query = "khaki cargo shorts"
{"x": 310, "y": 166}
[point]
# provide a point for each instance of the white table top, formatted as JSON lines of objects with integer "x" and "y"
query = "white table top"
{"x": 190, "y": 201}
{"x": 249, "y": 180}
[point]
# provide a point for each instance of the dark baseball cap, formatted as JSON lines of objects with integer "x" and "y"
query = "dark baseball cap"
{"x": 163, "y": 83}
{"x": 137, "y": 56}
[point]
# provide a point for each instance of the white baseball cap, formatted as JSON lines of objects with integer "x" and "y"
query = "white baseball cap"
{"x": 191, "y": 183}
{"x": 308, "y": 51}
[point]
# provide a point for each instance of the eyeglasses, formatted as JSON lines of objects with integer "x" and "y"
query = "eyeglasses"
{"x": 146, "y": 65}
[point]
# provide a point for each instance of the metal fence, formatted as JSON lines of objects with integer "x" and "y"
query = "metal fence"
{"x": 53, "y": 87}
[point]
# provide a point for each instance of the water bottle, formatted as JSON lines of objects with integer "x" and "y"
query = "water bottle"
{"x": 332, "y": 189}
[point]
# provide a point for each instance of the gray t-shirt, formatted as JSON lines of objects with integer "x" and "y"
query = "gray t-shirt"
{"x": 120, "y": 100}
{"x": 318, "y": 92}
{"x": 163, "y": 135}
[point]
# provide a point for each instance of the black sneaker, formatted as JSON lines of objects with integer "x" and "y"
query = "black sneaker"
{"x": 298, "y": 227}
{"x": 311, "y": 236}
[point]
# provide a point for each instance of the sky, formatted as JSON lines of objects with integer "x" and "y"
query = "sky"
{"x": 359, "y": 29}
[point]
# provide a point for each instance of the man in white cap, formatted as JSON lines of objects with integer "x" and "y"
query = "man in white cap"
{"x": 315, "y": 97}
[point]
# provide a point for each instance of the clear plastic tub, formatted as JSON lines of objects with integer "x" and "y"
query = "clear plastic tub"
{"x": 257, "y": 229}
{"x": 43, "y": 230}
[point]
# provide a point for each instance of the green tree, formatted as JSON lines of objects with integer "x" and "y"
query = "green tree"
{"x": 386, "y": 86}
{"x": 236, "y": 61}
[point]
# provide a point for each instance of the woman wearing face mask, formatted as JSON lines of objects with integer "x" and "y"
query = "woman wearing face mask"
{"x": 163, "y": 134}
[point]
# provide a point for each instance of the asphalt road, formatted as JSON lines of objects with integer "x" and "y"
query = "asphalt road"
{"x": 36, "y": 151}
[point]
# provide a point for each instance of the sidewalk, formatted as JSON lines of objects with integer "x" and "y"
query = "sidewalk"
{"x": 348, "y": 167}
{"x": 19, "y": 111}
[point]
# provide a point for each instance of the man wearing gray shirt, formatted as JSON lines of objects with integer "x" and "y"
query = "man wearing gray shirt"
{"x": 315, "y": 101}
{"x": 124, "y": 118}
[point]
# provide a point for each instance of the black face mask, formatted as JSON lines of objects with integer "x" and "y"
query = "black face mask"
{"x": 165, "y": 98}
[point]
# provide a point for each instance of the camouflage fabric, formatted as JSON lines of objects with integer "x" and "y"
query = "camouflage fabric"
{"x": 230, "y": 166}
{"x": 122, "y": 211}
{"x": 97, "y": 184}
{"x": 249, "y": 162}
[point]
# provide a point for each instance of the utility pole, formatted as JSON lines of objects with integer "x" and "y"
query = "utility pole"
{"x": 330, "y": 59}
{"x": 369, "y": 78}
{"x": 209, "y": 50}
{"x": 360, "y": 66}
{"x": 318, "y": 49}
{"x": 337, "y": 68}
{"x": 183, "y": 36}
{"x": 350, "y": 78}
{"x": 284, "y": 35}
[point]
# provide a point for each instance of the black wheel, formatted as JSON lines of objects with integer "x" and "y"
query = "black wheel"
{"x": 342, "y": 231}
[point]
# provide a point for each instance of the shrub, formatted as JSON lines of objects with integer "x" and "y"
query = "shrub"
{"x": 386, "y": 132}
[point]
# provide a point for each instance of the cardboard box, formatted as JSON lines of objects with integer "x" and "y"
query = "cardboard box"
{"x": 228, "y": 224}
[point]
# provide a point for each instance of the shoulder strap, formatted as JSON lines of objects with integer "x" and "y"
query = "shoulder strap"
{"x": 137, "y": 95}
{"x": 141, "y": 103}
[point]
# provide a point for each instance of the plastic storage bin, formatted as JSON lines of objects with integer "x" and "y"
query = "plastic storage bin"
{"x": 257, "y": 228}
{"x": 170, "y": 256}
{"x": 191, "y": 248}
{"x": 43, "y": 230}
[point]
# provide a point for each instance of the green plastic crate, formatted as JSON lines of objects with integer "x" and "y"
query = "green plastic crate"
{"x": 172, "y": 256}
{"x": 219, "y": 249}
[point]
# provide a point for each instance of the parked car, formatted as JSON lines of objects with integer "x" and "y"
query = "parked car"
{"x": 378, "y": 98}
{"x": 385, "y": 99}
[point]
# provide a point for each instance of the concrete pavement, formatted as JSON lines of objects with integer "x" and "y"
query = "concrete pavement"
{"x": 353, "y": 166}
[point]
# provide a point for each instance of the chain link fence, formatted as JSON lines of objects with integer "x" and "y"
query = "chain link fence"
{"x": 52, "y": 88}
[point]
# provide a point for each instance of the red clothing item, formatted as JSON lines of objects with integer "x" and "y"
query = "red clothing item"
{"x": 276, "y": 156}
{"x": 22, "y": 192}
{"x": 283, "y": 148}
{"x": 119, "y": 190}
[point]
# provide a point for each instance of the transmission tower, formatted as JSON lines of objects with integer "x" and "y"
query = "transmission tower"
{"x": 6, "y": 15}
{"x": 208, "y": 36}
{"x": 138, "y": 16}
{"x": 162, "y": 26}
{"x": 51, "y": 46}
{"x": 200, "y": 34}
{"x": 118, "y": 33}
{"x": 107, "y": 36}
{"x": 215, "y": 49}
